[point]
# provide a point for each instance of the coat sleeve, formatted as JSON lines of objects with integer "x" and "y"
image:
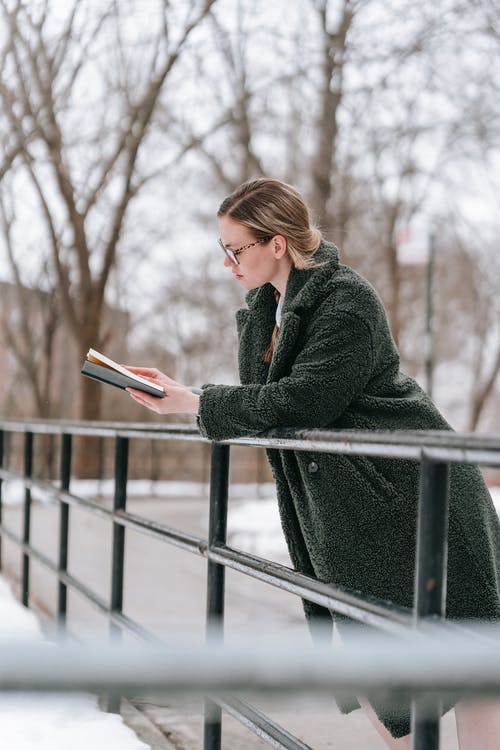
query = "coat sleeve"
{"x": 330, "y": 371}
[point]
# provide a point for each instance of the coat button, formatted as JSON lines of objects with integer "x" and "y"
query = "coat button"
{"x": 313, "y": 467}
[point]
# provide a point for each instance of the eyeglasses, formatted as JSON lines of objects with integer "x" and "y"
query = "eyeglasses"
{"x": 233, "y": 254}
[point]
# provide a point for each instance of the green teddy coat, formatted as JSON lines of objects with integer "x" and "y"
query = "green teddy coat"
{"x": 350, "y": 520}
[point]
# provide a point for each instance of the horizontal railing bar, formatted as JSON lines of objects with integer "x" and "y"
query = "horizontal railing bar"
{"x": 378, "y": 613}
{"x": 467, "y": 456}
{"x": 462, "y": 446}
{"x": 75, "y": 584}
{"x": 54, "y": 494}
{"x": 173, "y": 536}
{"x": 384, "y": 615}
{"x": 363, "y": 608}
{"x": 133, "y": 627}
{"x": 111, "y": 430}
{"x": 379, "y": 449}
{"x": 489, "y": 441}
{"x": 387, "y": 616}
{"x": 27, "y": 548}
{"x": 459, "y": 665}
{"x": 63, "y": 576}
{"x": 260, "y": 724}
{"x": 194, "y": 437}
{"x": 168, "y": 534}
{"x": 99, "y": 428}
{"x": 371, "y": 611}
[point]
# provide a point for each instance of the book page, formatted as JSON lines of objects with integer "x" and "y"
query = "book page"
{"x": 101, "y": 359}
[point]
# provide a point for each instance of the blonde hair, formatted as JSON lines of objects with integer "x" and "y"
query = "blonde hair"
{"x": 269, "y": 207}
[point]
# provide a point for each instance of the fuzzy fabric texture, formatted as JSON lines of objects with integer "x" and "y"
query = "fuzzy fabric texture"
{"x": 350, "y": 520}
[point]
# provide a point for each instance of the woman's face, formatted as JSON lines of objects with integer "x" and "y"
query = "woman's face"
{"x": 258, "y": 265}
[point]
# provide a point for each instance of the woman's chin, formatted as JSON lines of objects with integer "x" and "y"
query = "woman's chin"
{"x": 246, "y": 283}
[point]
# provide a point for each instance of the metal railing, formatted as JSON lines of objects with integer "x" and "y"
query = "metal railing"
{"x": 434, "y": 450}
{"x": 435, "y": 663}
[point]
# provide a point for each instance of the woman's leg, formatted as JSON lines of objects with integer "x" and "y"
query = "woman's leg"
{"x": 402, "y": 743}
{"x": 478, "y": 725}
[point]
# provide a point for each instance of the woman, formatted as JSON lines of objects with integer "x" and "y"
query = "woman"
{"x": 315, "y": 350}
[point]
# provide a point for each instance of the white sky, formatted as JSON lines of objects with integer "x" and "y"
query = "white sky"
{"x": 32, "y": 721}
{"x": 179, "y": 237}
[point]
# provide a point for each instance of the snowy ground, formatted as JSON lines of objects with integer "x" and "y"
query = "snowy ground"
{"x": 31, "y": 721}
{"x": 13, "y": 491}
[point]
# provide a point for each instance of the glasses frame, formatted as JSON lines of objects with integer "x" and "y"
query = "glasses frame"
{"x": 233, "y": 254}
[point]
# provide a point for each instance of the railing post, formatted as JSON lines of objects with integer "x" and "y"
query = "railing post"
{"x": 219, "y": 475}
{"x": 65, "y": 475}
{"x": 1, "y": 499}
{"x": 118, "y": 554}
{"x": 430, "y": 582}
{"x": 28, "y": 472}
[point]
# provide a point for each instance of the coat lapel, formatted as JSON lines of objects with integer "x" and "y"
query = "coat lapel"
{"x": 285, "y": 345}
{"x": 255, "y": 324}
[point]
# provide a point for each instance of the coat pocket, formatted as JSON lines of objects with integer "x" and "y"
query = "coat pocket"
{"x": 354, "y": 491}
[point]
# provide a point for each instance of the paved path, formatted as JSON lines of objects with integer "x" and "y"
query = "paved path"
{"x": 165, "y": 592}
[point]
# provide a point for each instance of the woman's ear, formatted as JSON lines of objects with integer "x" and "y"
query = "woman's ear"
{"x": 279, "y": 246}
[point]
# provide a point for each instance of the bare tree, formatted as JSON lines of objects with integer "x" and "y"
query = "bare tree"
{"x": 353, "y": 101}
{"x": 334, "y": 30}
{"x": 197, "y": 319}
{"x": 30, "y": 335}
{"x": 85, "y": 167}
{"x": 476, "y": 314}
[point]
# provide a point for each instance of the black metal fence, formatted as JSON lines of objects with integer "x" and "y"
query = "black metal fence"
{"x": 434, "y": 450}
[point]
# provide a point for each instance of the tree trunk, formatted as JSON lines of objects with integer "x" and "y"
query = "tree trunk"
{"x": 482, "y": 393}
{"x": 333, "y": 59}
{"x": 87, "y": 463}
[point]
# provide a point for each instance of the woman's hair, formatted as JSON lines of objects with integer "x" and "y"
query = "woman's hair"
{"x": 268, "y": 207}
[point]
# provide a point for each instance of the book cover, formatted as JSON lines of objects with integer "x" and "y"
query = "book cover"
{"x": 102, "y": 368}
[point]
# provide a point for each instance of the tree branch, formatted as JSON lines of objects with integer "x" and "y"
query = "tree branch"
{"x": 142, "y": 117}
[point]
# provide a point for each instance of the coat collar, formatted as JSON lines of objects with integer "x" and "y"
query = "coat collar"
{"x": 303, "y": 286}
{"x": 255, "y": 323}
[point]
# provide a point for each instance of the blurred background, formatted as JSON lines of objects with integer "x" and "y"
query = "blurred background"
{"x": 124, "y": 123}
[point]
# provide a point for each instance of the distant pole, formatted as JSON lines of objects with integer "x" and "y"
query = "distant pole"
{"x": 429, "y": 330}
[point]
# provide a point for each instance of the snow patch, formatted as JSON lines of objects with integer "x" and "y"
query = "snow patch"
{"x": 495, "y": 494}
{"x": 13, "y": 490}
{"x": 34, "y": 721}
{"x": 254, "y": 526}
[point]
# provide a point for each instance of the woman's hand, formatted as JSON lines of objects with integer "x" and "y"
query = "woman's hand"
{"x": 177, "y": 399}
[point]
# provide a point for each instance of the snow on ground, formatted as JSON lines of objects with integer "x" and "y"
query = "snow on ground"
{"x": 34, "y": 721}
{"x": 13, "y": 490}
{"x": 495, "y": 494}
{"x": 254, "y": 525}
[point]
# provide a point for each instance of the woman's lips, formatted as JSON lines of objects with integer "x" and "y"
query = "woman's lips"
{"x": 238, "y": 275}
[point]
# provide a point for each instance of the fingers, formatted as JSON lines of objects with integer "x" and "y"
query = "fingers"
{"x": 149, "y": 372}
{"x": 139, "y": 396}
{"x": 152, "y": 374}
{"x": 150, "y": 402}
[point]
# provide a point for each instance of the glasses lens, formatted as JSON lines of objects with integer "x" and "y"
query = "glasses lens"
{"x": 228, "y": 252}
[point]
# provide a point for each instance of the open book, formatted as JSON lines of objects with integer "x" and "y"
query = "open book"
{"x": 103, "y": 368}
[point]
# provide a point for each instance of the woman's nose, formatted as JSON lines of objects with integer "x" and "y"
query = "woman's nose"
{"x": 228, "y": 262}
